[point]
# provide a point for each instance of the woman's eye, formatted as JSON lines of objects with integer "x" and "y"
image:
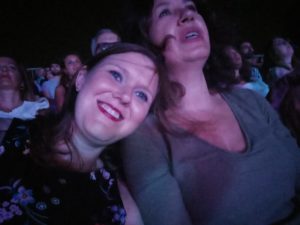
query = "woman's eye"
{"x": 163, "y": 13}
{"x": 12, "y": 68}
{"x": 192, "y": 8}
{"x": 116, "y": 75}
{"x": 142, "y": 96}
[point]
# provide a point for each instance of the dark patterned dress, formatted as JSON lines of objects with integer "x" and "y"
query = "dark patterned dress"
{"x": 32, "y": 194}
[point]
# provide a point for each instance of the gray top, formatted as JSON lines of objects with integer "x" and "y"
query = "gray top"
{"x": 186, "y": 180}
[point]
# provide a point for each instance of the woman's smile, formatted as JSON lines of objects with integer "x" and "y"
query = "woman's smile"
{"x": 109, "y": 111}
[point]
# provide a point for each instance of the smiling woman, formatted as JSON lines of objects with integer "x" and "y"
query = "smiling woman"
{"x": 116, "y": 95}
{"x": 56, "y": 163}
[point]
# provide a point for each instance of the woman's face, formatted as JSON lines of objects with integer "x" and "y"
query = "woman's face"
{"x": 72, "y": 65}
{"x": 177, "y": 28}
{"x": 282, "y": 48}
{"x": 115, "y": 96}
{"x": 10, "y": 77}
{"x": 55, "y": 68}
{"x": 234, "y": 57}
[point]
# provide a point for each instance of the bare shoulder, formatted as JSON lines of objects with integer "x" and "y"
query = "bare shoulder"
{"x": 60, "y": 89}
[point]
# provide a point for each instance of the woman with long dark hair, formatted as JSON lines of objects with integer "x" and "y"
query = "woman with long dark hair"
{"x": 53, "y": 170}
{"x": 209, "y": 155}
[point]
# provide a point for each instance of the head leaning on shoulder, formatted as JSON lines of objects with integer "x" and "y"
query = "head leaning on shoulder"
{"x": 112, "y": 94}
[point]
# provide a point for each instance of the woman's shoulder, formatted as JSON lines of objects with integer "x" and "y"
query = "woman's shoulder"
{"x": 239, "y": 94}
{"x": 149, "y": 133}
{"x": 246, "y": 99}
{"x": 151, "y": 122}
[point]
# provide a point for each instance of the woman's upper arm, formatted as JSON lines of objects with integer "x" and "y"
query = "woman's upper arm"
{"x": 146, "y": 169}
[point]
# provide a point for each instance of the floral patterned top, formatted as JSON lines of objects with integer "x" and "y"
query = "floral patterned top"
{"x": 32, "y": 194}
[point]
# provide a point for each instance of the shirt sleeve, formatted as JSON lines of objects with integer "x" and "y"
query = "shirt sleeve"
{"x": 283, "y": 133}
{"x": 147, "y": 171}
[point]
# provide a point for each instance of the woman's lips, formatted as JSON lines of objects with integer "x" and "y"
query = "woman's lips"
{"x": 190, "y": 34}
{"x": 110, "y": 111}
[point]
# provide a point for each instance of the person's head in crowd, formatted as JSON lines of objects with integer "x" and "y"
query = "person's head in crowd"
{"x": 107, "y": 101}
{"x": 55, "y": 69}
{"x": 39, "y": 79}
{"x": 103, "y": 39}
{"x": 279, "y": 60}
{"x": 232, "y": 57}
{"x": 72, "y": 62}
{"x": 227, "y": 62}
{"x": 249, "y": 55}
{"x": 17, "y": 98}
{"x": 281, "y": 51}
{"x": 13, "y": 79}
{"x": 40, "y": 72}
{"x": 246, "y": 49}
{"x": 49, "y": 74}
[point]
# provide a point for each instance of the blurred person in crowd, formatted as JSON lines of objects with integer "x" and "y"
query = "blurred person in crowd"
{"x": 233, "y": 71}
{"x": 250, "y": 56}
{"x": 17, "y": 99}
{"x": 280, "y": 59}
{"x": 103, "y": 39}
{"x": 72, "y": 63}
{"x": 39, "y": 79}
{"x": 49, "y": 87}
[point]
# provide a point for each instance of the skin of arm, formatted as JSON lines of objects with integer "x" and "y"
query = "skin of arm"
{"x": 133, "y": 214}
{"x": 59, "y": 97}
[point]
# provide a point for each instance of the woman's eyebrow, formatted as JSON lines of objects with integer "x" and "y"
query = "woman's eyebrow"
{"x": 161, "y": 4}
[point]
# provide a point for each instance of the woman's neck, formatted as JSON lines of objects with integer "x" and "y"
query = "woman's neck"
{"x": 85, "y": 154}
{"x": 9, "y": 100}
{"x": 197, "y": 95}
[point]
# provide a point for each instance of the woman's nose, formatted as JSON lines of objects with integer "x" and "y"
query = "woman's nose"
{"x": 186, "y": 15}
{"x": 123, "y": 95}
{"x": 3, "y": 68}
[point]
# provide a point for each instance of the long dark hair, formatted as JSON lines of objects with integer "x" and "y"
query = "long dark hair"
{"x": 58, "y": 128}
{"x": 288, "y": 110}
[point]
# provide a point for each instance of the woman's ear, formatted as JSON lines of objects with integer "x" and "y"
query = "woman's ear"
{"x": 80, "y": 79}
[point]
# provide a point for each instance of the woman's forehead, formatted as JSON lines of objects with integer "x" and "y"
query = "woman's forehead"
{"x": 131, "y": 59}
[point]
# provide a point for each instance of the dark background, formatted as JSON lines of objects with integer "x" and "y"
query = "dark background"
{"x": 37, "y": 32}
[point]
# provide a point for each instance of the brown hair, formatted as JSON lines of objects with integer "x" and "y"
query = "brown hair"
{"x": 288, "y": 110}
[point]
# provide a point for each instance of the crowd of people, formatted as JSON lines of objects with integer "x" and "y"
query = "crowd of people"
{"x": 172, "y": 129}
